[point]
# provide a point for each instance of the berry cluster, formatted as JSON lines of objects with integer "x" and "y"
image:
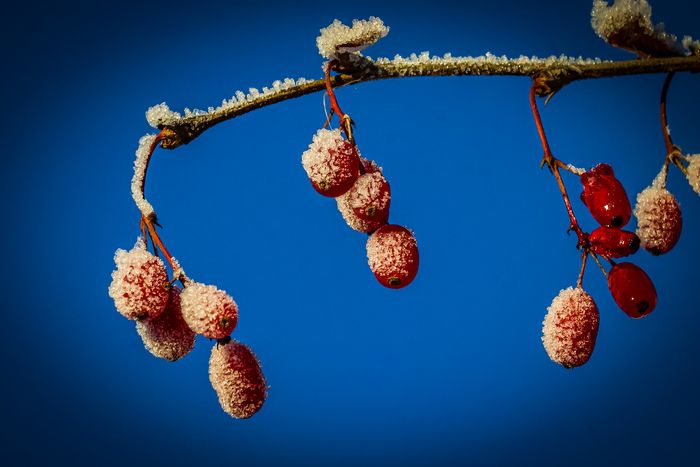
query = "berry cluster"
{"x": 168, "y": 318}
{"x": 337, "y": 170}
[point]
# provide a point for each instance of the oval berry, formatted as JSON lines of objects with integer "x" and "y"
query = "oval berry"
{"x": 236, "y": 376}
{"x": 605, "y": 197}
{"x": 331, "y": 163}
{"x": 208, "y": 311}
{"x": 139, "y": 285}
{"x": 632, "y": 289}
{"x": 659, "y": 220}
{"x": 369, "y": 197}
{"x": 613, "y": 243}
{"x": 392, "y": 254}
{"x": 570, "y": 328}
{"x": 168, "y": 336}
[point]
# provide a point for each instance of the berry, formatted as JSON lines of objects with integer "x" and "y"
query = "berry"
{"x": 613, "y": 243}
{"x": 331, "y": 163}
{"x": 570, "y": 328}
{"x": 139, "y": 285}
{"x": 693, "y": 170}
{"x": 659, "y": 220}
{"x": 605, "y": 197}
{"x": 632, "y": 289}
{"x": 208, "y": 311}
{"x": 355, "y": 223}
{"x": 369, "y": 197}
{"x": 167, "y": 336}
{"x": 237, "y": 378}
{"x": 392, "y": 255}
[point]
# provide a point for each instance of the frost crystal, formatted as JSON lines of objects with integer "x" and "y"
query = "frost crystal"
{"x": 694, "y": 172}
{"x": 627, "y": 24}
{"x": 162, "y": 115}
{"x": 339, "y": 38}
{"x": 570, "y": 328}
{"x": 140, "y": 166}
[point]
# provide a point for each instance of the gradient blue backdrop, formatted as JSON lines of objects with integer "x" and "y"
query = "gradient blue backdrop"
{"x": 449, "y": 371}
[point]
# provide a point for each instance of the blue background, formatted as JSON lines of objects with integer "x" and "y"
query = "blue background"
{"x": 450, "y": 370}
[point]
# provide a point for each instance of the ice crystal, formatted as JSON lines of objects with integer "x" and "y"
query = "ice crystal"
{"x": 339, "y": 38}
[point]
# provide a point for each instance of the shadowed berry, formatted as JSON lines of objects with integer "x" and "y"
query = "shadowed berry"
{"x": 613, "y": 243}
{"x": 605, "y": 197}
{"x": 392, "y": 255}
{"x": 632, "y": 289}
{"x": 570, "y": 328}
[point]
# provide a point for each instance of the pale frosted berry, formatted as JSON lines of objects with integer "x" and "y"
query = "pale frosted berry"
{"x": 331, "y": 163}
{"x": 659, "y": 220}
{"x": 613, "y": 243}
{"x": 167, "y": 336}
{"x": 140, "y": 284}
{"x": 361, "y": 225}
{"x": 570, "y": 328}
{"x": 632, "y": 289}
{"x": 693, "y": 170}
{"x": 208, "y": 311}
{"x": 392, "y": 255}
{"x": 369, "y": 197}
{"x": 236, "y": 375}
{"x": 605, "y": 197}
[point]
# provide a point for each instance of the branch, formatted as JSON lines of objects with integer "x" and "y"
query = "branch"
{"x": 552, "y": 73}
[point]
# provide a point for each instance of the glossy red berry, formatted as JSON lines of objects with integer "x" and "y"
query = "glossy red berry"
{"x": 605, "y": 197}
{"x": 331, "y": 163}
{"x": 632, "y": 289}
{"x": 659, "y": 220}
{"x": 613, "y": 243}
{"x": 570, "y": 328}
{"x": 392, "y": 254}
{"x": 236, "y": 375}
{"x": 139, "y": 285}
{"x": 168, "y": 336}
{"x": 208, "y": 311}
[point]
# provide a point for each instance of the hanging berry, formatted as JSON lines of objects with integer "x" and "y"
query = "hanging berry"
{"x": 632, "y": 289}
{"x": 613, "y": 243}
{"x": 208, "y": 311}
{"x": 331, "y": 163}
{"x": 605, "y": 197}
{"x": 570, "y": 328}
{"x": 659, "y": 220}
{"x": 392, "y": 254}
{"x": 140, "y": 284}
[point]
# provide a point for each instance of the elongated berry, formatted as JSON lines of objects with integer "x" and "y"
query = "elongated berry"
{"x": 693, "y": 170}
{"x": 632, "y": 289}
{"x": 167, "y": 336}
{"x": 613, "y": 243}
{"x": 605, "y": 197}
{"x": 331, "y": 163}
{"x": 570, "y": 328}
{"x": 659, "y": 220}
{"x": 392, "y": 255}
{"x": 208, "y": 311}
{"x": 236, "y": 375}
{"x": 140, "y": 284}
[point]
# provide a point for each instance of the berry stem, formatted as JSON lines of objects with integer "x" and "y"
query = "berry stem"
{"x": 584, "y": 257}
{"x": 554, "y": 164}
{"x": 345, "y": 121}
{"x": 664, "y": 122}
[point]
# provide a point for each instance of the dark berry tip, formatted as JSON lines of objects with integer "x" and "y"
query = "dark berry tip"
{"x": 616, "y": 221}
{"x": 642, "y": 307}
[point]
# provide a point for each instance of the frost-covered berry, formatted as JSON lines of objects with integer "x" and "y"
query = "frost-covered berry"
{"x": 331, "y": 163}
{"x": 139, "y": 285}
{"x": 392, "y": 255}
{"x": 167, "y": 336}
{"x": 693, "y": 170}
{"x": 236, "y": 375}
{"x": 613, "y": 243}
{"x": 570, "y": 328}
{"x": 659, "y": 220}
{"x": 369, "y": 197}
{"x": 632, "y": 289}
{"x": 605, "y": 197}
{"x": 208, "y": 311}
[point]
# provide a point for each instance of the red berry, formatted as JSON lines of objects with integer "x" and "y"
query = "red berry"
{"x": 331, "y": 163}
{"x": 236, "y": 375}
{"x": 632, "y": 289}
{"x": 369, "y": 197}
{"x": 605, "y": 197}
{"x": 167, "y": 336}
{"x": 361, "y": 225}
{"x": 613, "y": 243}
{"x": 392, "y": 254}
{"x": 139, "y": 284}
{"x": 659, "y": 220}
{"x": 208, "y": 311}
{"x": 570, "y": 328}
